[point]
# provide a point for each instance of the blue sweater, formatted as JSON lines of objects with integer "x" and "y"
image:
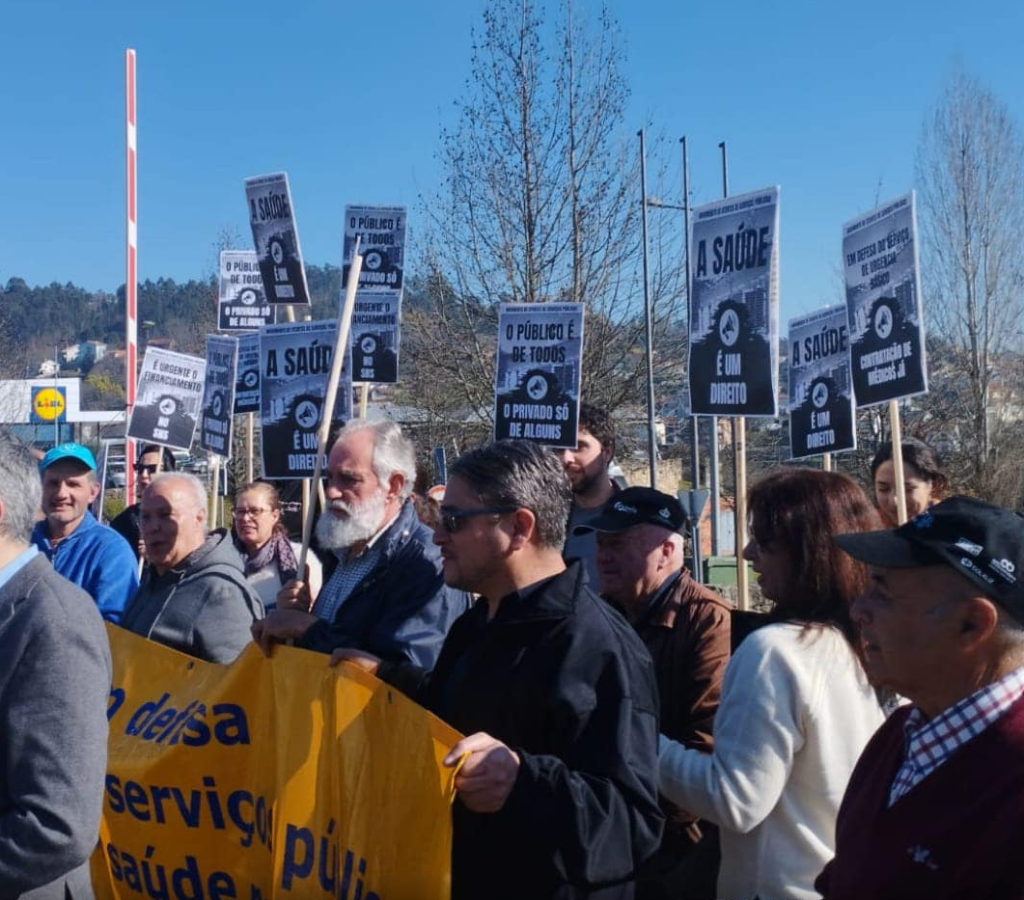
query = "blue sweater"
{"x": 98, "y": 560}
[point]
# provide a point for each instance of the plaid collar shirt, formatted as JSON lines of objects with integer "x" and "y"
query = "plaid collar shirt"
{"x": 930, "y": 743}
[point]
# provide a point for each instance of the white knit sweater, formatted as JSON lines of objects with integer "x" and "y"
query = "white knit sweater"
{"x": 796, "y": 712}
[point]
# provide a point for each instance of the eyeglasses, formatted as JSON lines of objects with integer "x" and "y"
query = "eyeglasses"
{"x": 451, "y": 518}
{"x": 252, "y": 512}
{"x": 150, "y": 469}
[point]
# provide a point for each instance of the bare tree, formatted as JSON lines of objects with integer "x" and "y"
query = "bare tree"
{"x": 540, "y": 203}
{"x": 970, "y": 168}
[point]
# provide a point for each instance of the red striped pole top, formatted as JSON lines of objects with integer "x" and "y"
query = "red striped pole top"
{"x": 132, "y": 273}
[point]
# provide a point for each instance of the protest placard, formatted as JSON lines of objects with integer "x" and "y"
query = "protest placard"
{"x": 375, "y": 336}
{"x": 378, "y": 307}
{"x": 219, "y": 395}
{"x": 243, "y": 304}
{"x": 381, "y": 233}
{"x": 247, "y": 382}
{"x": 883, "y": 303}
{"x": 275, "y": 236}
{"x": 295, "y": 362}
{"x": 537, "y": 387}
{"x": 268, "y": 779}
{"x": 734, "y": 313}
{"x": 168, "y": 400}
{"x": 821, "y": 408}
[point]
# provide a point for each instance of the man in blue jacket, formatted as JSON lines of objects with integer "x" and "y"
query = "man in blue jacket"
{"x": 386, "y": 594}
{"x": 89, "y": 554}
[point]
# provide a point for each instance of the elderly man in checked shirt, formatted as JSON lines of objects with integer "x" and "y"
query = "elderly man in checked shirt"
{"x": 387, "y": 594}
{"x": 935, "y": 806}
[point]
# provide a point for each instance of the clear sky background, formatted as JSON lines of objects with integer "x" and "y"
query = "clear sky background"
{"x": 824, "y": 98}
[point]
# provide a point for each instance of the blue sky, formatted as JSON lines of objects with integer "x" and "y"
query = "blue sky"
{"x": 824, "y": 98}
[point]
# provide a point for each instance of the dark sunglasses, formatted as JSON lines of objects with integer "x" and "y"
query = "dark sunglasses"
{"x": 147, "y": 470}
{"x": 451, "y": 519}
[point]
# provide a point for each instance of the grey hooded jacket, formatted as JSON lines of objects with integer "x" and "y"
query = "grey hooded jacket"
{"x": 204, "y": 608}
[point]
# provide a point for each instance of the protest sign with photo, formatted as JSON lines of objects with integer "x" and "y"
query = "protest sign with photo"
{"x": 247, "y": 381}
{"x": 734, "y": 314}
{"x": 537, "y": 387}
{"x": 378, "y": 306}
{"x": 275, "y": 236}
{"x": 168, "y": 399}
{"x": 821, "y": 409}
{"x": 243, "y": 304}
{"x": 219, "y": 396}
{"x": 295, "y": 362}
{"x": 883, "y": 303}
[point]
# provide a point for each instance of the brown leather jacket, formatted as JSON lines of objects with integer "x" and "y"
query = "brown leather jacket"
{"x": 687, "y": 632}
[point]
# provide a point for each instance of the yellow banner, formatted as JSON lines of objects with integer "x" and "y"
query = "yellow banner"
{"x": 269, "y": 779}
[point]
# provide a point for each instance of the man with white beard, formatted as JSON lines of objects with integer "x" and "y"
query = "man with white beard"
{"x": 387, "y": 593}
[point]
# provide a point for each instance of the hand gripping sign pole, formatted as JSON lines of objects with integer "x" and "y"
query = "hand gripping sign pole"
{"x": 327, "y": 413}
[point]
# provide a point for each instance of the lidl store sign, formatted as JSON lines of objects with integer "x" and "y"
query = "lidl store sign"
{"x": 49, "y": 404}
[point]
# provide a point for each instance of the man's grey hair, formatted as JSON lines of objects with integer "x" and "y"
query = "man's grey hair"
{"x": 186, "y": 479}
{"x": 521, "y": 475}
{"x": 20, "y": 488}
{"x": 392, "y": 451}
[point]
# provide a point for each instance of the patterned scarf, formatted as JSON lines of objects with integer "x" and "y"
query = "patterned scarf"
{"x": 278, "y": 549}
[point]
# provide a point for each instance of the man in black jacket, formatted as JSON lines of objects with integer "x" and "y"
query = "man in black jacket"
{"x": 558, "y": 788}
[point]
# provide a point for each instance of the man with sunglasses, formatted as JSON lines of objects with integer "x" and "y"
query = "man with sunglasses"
{"x": 384, "y": 590}
{"x": 81, "y": 549}
{"x": 149, "y": 464}
{"x": 557, "y": 790}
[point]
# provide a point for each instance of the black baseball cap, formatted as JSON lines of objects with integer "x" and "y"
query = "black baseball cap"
{"x": 982, "y": 542}
{"x": 637, "y": 506}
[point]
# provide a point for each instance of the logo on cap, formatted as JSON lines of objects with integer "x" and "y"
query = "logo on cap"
{"x": 968, "y": 546}
{"x": 976, "y": 569}
{"x": 1005, "y": 568}
{"x": 664, "y": 513}
{"x": 622, "y": 507}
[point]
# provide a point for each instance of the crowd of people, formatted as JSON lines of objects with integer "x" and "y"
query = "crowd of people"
{"x": 623, "y": 739}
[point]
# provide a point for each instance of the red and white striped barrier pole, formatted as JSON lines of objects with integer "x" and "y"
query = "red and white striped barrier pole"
{"x": 132, "y": 274}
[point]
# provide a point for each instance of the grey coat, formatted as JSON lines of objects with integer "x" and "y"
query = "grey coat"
{"x": 54, "y": 688}
{"x": 205, "y": 608}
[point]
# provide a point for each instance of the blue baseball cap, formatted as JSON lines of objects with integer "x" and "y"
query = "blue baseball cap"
{"x": 68, "y": 451}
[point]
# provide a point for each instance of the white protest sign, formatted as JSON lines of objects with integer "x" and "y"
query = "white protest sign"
{"x": 168, "y": 400}
{"x": 218, "y": 397}
{"x": 275, "y": 236}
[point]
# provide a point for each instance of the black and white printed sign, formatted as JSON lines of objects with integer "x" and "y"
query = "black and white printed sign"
{"x": 247, "y": 381}
{"x": 821, "y": 409}
{"x": 295, "y": 363}
{"x": 276, "y": 239}
{"x": 378, "y": 305}
{"x": 243, "y": 304}
{"x": 219, "y": 395}
{"x": 169, "y": 397}
{"x": 883, "y": 303}
{"x": 537, "y": 387}
{"x": 734, "y": 318}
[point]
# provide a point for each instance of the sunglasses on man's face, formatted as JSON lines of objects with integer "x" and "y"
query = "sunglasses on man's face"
{"x": 451, "y": 518}
{"x": 150, "y": 469}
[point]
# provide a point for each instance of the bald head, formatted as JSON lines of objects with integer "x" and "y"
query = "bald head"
{"x": 173, "y": 519}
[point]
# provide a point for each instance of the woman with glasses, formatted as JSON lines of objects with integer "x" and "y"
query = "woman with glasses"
{"x": 271, "y": 559}
{"x": 796, "y": 708}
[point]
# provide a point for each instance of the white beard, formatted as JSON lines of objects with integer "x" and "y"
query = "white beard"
{"x": 360, "y": 523}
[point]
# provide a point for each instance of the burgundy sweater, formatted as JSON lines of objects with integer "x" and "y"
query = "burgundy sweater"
{"x": 959, "y": 833}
